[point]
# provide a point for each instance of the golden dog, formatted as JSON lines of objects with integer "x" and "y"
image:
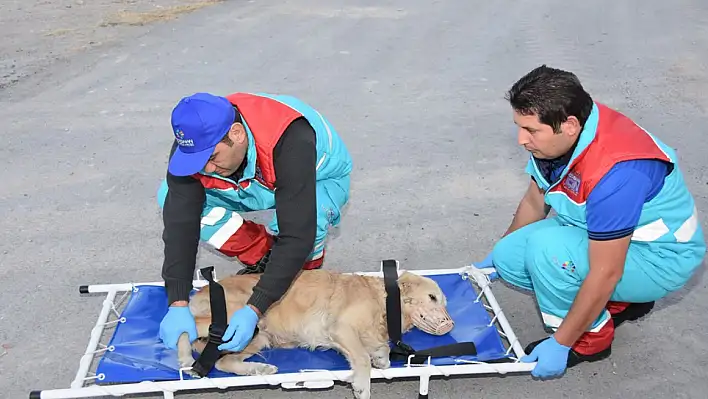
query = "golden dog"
{"x": 324, "y": 310}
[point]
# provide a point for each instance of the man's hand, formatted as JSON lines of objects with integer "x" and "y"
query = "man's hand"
{"x": 487, "y": 263}
{"x": 552, "y": 358}
{"x": 240, "y": 330}
{"x": 179, "y": 319}
{"x": 607, "y": 259}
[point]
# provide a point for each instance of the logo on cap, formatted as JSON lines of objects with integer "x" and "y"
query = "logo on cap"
{"x": 179, "y": 135}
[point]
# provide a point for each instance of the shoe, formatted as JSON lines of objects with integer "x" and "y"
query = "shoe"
{"x": 257, "y": 268}
{"x": 633, "y": 312}
{"x": 251, "y": 270}
{"x": 574, "y": 357}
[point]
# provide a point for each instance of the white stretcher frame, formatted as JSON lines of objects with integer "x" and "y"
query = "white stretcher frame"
{"x": 306, "y": 379}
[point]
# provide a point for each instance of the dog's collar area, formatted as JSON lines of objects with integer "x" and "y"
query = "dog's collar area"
{"x": 401, "y": 350}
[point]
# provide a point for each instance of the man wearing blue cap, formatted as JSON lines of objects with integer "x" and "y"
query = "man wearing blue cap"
{"x": 241, "y": 153}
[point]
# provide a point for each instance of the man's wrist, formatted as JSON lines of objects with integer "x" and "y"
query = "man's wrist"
{"x": 180, "y": 303}
{"x": 565, "y": 337}
{"x": 259, "y": 301}
{"x": 178, "y": 290}
{"x": 590, "y": 301}
{"x": 256, "y": 311}
{"x": 561, "y": 342}
{"x": 574, "y": 324}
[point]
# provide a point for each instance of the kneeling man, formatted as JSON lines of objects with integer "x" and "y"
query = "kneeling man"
{"x": 625, "y": 233}
{"x": 237, "y": 154}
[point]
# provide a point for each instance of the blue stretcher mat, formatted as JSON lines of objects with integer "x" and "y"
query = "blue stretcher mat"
{"x": 139, "y": 355}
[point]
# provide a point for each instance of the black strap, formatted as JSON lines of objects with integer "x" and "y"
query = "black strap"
{"x": 401, "y": 350}
{"x": 219, "y": 323}
{"x": 393, "y": 301}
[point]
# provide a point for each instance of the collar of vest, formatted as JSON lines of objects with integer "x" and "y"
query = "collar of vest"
{"x": 587, "y": 135}
{"x": 249, "y": 172}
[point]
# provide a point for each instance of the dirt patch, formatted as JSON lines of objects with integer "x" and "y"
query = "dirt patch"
{"x": 37, "y": 33}
{"x": 140, "y": 18}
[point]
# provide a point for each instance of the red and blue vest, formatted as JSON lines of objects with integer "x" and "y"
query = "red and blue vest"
{"x": 265, "y": 118}
{"x": 668, "y": 223}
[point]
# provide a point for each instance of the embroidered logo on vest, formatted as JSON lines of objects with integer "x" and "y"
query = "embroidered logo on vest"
{"x": 572, "y": 183}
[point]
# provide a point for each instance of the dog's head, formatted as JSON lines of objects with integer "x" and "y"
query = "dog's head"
{"x": 424, "y": 304}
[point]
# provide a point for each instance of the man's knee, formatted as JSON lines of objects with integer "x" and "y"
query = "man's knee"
{"x": 332, "y": 196}
{"x": 557, "y": 254}
{"x": 537, "y": 246}
{"x": 508, "y": 260}
{"x": 509, "y": 252}
{"x": 503, "y": 252}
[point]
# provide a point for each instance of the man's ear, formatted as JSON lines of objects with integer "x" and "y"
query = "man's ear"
{"x": 571, "y": 126}
{"x": 237, "y": 133}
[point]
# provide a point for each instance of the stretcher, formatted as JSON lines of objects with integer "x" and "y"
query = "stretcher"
{"x": 125, "y": 356}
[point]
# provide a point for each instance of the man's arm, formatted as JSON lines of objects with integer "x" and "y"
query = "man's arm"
{"x": 613, "y": 210}
{"x": 181, "y": 216}
{"x": 295, "y": 159}
{"x": 532, "y": 208}
{"x": 607, "y": 260}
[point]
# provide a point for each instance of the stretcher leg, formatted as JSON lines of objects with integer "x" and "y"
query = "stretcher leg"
{"x": 424, "y": 384}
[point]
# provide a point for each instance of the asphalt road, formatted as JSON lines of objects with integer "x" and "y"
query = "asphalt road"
{"x": 416, "y": 90}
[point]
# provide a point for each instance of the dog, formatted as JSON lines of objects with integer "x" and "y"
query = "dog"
{"x": 323, "y": 309}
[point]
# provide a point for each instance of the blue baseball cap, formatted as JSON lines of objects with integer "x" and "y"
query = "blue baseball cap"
{"x": 199, "y": 122}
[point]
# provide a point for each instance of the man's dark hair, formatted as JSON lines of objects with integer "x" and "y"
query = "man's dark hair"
{"x": 552, "y": 94}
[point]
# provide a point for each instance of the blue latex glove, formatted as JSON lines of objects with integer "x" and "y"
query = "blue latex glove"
{"x": 240, "y": 330}
{"x": 485, "y": 264}
{"x": 177, "y": 320}
{"x": 551, "y": 356}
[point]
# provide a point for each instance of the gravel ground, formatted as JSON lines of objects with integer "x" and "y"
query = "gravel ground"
{"x": 416, "y": 90}
{"x": 39, "y": 33}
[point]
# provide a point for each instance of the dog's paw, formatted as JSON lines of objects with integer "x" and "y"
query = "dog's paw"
{"x": 380, "y": 362}
{"x": 191, "y": 373}
{"x": 185, "y": 361}
{"x": 362, "y": 393}
{"x": 380, "y": 357}
{"x": 361, "y": 386}
{"x": 261, "y": 369}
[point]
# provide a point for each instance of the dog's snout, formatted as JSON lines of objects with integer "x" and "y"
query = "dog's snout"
{"x": 434, "y": 320}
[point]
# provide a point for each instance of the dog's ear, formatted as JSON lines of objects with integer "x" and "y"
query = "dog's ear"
{"x": 406, "y": 282}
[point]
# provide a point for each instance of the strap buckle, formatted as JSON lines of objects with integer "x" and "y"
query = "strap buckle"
{"x": 216, "y": 334}
{"x": 405, "y": 347}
